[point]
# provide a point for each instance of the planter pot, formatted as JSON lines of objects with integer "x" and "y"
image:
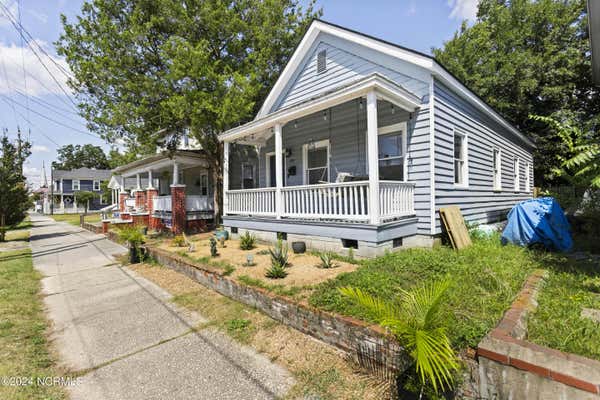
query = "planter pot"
{"x": 221, "y": 234}
{"x": 298, "y": 247}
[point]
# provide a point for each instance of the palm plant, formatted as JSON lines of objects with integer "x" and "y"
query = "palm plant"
{"x": 416, "y": 321}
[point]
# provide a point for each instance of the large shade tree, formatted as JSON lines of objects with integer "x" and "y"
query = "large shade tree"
{"x": 148, "y": 66}
{"x": 14, "y": 197}
{"x": 78, "y": 156}
{"x": 529, "y": 57}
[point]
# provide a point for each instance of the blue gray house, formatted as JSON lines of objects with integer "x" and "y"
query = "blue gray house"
{"x": 359, "y": 144}
{"x": 66, "y": 184}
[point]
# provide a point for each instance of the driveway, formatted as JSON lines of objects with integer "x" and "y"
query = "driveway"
{"x": 123, "y": 335}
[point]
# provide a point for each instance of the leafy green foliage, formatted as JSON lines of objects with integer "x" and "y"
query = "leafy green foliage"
{"x": 14, "y": 198}
{"x": 247, "y": 241}
{"x": 418, "y": 323}
{"x": 84, "y": 197}
{"x": 77, "y": 156}
{"x": 276, "y": 271}
{"x": 579, "y": 155}
{"x": 528, "y": 57}
{"x": 327, "y": 260}
{"x": 132, "y": 235}
{"x": 179, "y": 241}
{"x": 213, "y": 247}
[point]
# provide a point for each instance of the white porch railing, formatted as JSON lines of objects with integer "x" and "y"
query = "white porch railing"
{"x": 161, "y": 203}
{"x": 347, "y": 201}
{"x": 251, "y": 201}
{"x": 198, "y": 203}
{"x": 129, "y": 202}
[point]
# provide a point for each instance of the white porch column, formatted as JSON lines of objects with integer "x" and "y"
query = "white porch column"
{"x": 373, "y": 167}
{"x": 175, "y": 174}
{"x": 225, "y": 177}
{"x": 278, "y": 171}
{"x": 138, "y": 182}
{"x": 122, "y": 188}
{"x": 150, "y": 179}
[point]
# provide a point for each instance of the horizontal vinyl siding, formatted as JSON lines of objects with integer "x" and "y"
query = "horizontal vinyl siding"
{"x": 343, "y": 67}
{"x": 479, "y": 202}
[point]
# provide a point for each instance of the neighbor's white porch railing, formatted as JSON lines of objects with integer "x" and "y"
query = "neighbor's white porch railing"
{"x": 251, "y": 201}
{"x": 130, "y": 203}
{"x": 161, "y": 203}
{"x": 348, "y": 201}
{"x": 198, "y": 203}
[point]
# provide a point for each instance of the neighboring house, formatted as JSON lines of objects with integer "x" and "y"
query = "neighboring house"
{"x": 168, "y": 190}
{"x": 361, "y": 141}
{"x": 66, "y": 184}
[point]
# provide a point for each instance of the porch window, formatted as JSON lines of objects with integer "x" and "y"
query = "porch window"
{"x": 204, "y": 185}
{"x": 391, "y": 145}
{"x": 76, "y": 184}
{"x": 317, "y": 163}
{"x": 516, "y": 174}
{"x": 96, "y": 185}
{"x": 247, "y": 176}
{"x": 497, "y": 166}
{"x": 460, "y": 159}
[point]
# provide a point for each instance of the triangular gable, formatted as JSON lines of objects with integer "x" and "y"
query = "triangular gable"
{"x": 342, "y": 67}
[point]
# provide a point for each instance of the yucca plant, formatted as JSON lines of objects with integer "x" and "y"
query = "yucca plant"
{"x": 279, "y": 254}
{"x": 247, "y": 241}
{"x": 416, "y": 321}
{"x": 277, "y": 271}
{"x": 327, "y": 260}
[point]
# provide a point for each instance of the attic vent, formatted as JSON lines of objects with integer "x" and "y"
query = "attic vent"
{"x": 321, "y": 61}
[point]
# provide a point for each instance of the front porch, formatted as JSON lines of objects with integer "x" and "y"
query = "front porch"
{"x": 329, "y": 169}
{"x": 173, "y": 193}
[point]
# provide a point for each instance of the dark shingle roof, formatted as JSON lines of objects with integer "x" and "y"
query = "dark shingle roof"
{"x": 82, "y": 173}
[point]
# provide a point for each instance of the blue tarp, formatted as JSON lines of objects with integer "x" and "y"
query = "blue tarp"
{"x": 538, "y": 221}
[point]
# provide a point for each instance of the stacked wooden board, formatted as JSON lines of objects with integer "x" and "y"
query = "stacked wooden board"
{"x": 455, "y": 226}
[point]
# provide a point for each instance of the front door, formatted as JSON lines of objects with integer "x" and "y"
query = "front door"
{"x": 271, "y": 170}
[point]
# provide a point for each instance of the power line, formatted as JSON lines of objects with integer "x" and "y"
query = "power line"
{"x": 49, "y": 108}
{"x": 46, "y": 103}
{"x": 23, "y": 61}
{"x": 43, "y": 134}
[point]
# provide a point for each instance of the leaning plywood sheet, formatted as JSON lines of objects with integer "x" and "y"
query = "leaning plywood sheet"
{"x": 455, "y": 226}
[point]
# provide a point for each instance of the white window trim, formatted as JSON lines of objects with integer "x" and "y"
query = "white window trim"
{"x": 268, "y": 168}
{"x": 253, "y": 167}
{"x": 317, "y": 145}
{"x": 95, "y": 184}
{"x": 73, "y": 184}
{"x": 384, "y": 130}
{"x": 205, "y": 176}
{"x": 528, "y": 177}
{"x": 517, "y": 174}
{"x": 497, "y": 181}
{"x": 465, "y": 177}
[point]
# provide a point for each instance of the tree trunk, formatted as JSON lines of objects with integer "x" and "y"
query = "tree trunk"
{"x": 2, "y": 228}
{"x": 217, "y": 169}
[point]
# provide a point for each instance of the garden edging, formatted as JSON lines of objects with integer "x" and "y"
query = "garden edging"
{"x": 512, "y": 367}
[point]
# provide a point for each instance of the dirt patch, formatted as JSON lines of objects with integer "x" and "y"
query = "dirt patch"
{"x": 320, "y": 369}
{"x": 303, "y": 268}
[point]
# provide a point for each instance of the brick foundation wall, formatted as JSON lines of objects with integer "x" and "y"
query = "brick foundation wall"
{"x": 140, "y": 200}
{"x": 153, "y": 223}
{"x": 125, "y": 216}
{"x": 122, "y": 198}
{"x": 140, "y": 219}
{"x": 345, "y": 333}
{"x": 178, "y": 209}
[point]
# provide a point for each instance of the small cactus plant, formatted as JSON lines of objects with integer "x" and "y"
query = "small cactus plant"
{"x": 213, "y": 247}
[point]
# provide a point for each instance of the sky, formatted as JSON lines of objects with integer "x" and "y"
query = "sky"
{"x": 40, "y": 104}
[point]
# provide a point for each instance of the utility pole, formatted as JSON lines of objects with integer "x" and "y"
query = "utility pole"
{"x": 52, "y": 188}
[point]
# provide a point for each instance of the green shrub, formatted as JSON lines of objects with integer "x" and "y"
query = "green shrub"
{"x": 247, "y": 241}
{"x": 327, "y": 260}
{"x": 179, "y": 241}
{"x": 133, "y": 236}
{"x": 277, "y": 271}
{"x": 279, "y": 254}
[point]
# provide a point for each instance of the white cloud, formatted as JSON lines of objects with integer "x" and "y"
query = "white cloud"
{"x": 463, "y": 9}
{"x": 12, "y": 7}
{"x": 39, "y": 81}
{"x": 38, "y": 148}
{"x": 43, "y": 18}
{"x": 412, "y": 9}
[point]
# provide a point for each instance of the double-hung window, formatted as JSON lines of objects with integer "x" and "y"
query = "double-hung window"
{"x": 497, "y": 167}
{"x": 316, "y": 161}
{"x": 96, "y": 186}
{"x": 204, "y": 185}
{"x": 391, "y": 143}
{"x": 247, "y": 176}
{"x": 516, "y": 173}
{"x": 76, "y": 184}
{"x": 461, "y": 168}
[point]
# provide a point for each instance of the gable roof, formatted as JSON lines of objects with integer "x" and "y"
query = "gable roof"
{"x": 417, "y": 58}
{"x": 82, "y": 173}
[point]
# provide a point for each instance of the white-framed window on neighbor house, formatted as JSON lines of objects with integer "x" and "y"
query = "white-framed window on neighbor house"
{"x": 271, "y": 171}
{"x": 461, "y": 159}
{"x": 527, "y": 177}
{"x": 75, "y": 184}
{"x": 204, "y": 185}
{"x": 247, "y": 176}
{"x": 497, "y": 168}
{"x": 391, "y": 144}
{"x": 96, "y": 186}
{"x": 516, "y": 173}
{"x": 315, "y": 157}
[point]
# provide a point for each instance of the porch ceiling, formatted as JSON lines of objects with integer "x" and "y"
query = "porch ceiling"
{"x": 159, "y": 162}
{"x": 258, "y": 130}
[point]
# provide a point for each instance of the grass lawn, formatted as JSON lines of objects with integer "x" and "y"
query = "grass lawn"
{"x": 557, "y": 323}
{"x": 23, "y": 345}
{"x": 486, "y": 277}
{"x": 73, "y": 219}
